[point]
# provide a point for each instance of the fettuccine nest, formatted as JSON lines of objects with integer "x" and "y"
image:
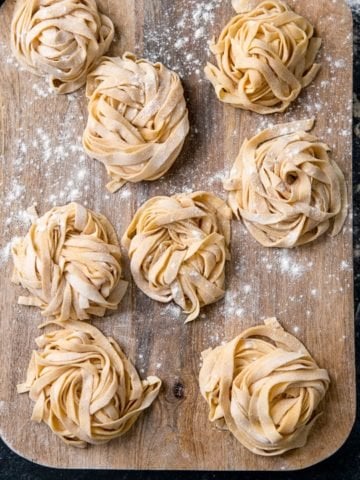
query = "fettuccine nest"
{"x": 178, "y": 247}
{"x": 286, "y": 188}
{"x": 265, "y": 57}
{"x": 83, "y": 386}
{"x": 138, "y": 120}
{"x": 60, "y": 39}
{"x": 70, "y": 263}
{"x": 265, "y": 387}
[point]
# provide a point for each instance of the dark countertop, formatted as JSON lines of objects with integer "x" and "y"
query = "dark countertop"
{"x": 345, "y": 464}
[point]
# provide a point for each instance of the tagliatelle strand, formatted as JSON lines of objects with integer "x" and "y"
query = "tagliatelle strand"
{"x": 265, "y": 57}
{"x": 138, "y": 120}
{"x": 84, "y": 387}
{"x": 286, "y": 188}
{"x": 265, "y": 387}
{"x": 70, "y": 263}
{"x": 178, "y": 247}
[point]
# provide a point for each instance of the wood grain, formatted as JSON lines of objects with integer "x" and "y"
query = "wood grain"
{"x": 309, "y": 289}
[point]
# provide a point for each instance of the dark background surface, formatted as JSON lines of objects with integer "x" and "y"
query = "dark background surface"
{"x": 345, "y": 464}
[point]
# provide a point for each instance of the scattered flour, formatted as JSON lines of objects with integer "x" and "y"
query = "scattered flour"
{"x": 6, "y": 250}
{"x": 171, "y": 311}
{"x": 195, "y": 26}
{"x": 289, "y": 266}
{"x": 345, "y": 265}
{"x": 285, "y": 262}
{"x": 193, "y": 29}
{"x": 247, "y": 289}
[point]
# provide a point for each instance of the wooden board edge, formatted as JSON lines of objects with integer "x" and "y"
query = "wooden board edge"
{"x": 313, "y": 463}
{"x": 346, "y": 7}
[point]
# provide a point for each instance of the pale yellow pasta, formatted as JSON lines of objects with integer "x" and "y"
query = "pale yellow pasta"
{"x": 70, "y": 263}
{"x": 138, "y": 120}
{"x": 264, "y": 387}
{"x": 83, "y": 386}
{"x": 286, "y": 188}
{"x": 265, "y": 56}
{"x": 60, "y": 39}
{"x": 178, "y": 247}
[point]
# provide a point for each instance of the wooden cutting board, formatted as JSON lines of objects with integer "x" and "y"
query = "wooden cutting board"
{"x": 309, "y": 289}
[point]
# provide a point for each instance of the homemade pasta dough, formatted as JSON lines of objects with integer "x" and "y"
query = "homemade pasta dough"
{"x": 138, "y": 119}
{"x": 60, "y": 39}
{"x": 265, "y": 387}
{"x": 264, "y": 57}
{"x": 70, "y": 263}
{"x": 178, "y": 247}
{"x": 286, "y": 188}
{"x": 83, "y": 386}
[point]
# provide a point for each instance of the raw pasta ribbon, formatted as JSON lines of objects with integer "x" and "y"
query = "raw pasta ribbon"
{"x": 265, "y": 387}
{"x": 286, "y": 188}
{"x": 265, "y": 57}
{"x": 83, "y": 386}
{"x": 60, "y": 39}
{"x": 70, "y": 263}
{"x": 178, "y": 247}
{"x": 138, "y": 120}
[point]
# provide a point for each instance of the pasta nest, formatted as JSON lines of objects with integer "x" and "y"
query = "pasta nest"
{"x": 286, "y": 188}
{"x": 70, "y": 263}
{"x": 265, "y": 387}
{"x": 138, "y": 120}
{"x": 60, "y": 39}
{"x": 83, "y": 386}
{"x": 265, "y": 57}
{"x": 178, "y": 247}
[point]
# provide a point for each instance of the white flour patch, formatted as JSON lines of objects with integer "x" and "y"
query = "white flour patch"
{"x": 344, "y": 265}
{"x": 172, "y": 311}
{"x": 286, "y": 263}
{"x": 239, "y": 312}
{"x": 5, "y": 252}
{"x": 289, "y": 266}
{"x": 247, "y": 289}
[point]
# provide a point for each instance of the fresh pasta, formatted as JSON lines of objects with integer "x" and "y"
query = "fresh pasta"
{"x": 265, "y": 56}
{"x": 70, "y": 263}
{"x": 264, "y": 387}
{"x": 83, "y": 386}
{"x": 60, "y": 39}
{"x": 138, "y": 119}
{"x": 286, "y": 188}
{"x": 178, "y": 247}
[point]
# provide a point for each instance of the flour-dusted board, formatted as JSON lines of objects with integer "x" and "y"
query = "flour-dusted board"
{"x": 309, "y": 289}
